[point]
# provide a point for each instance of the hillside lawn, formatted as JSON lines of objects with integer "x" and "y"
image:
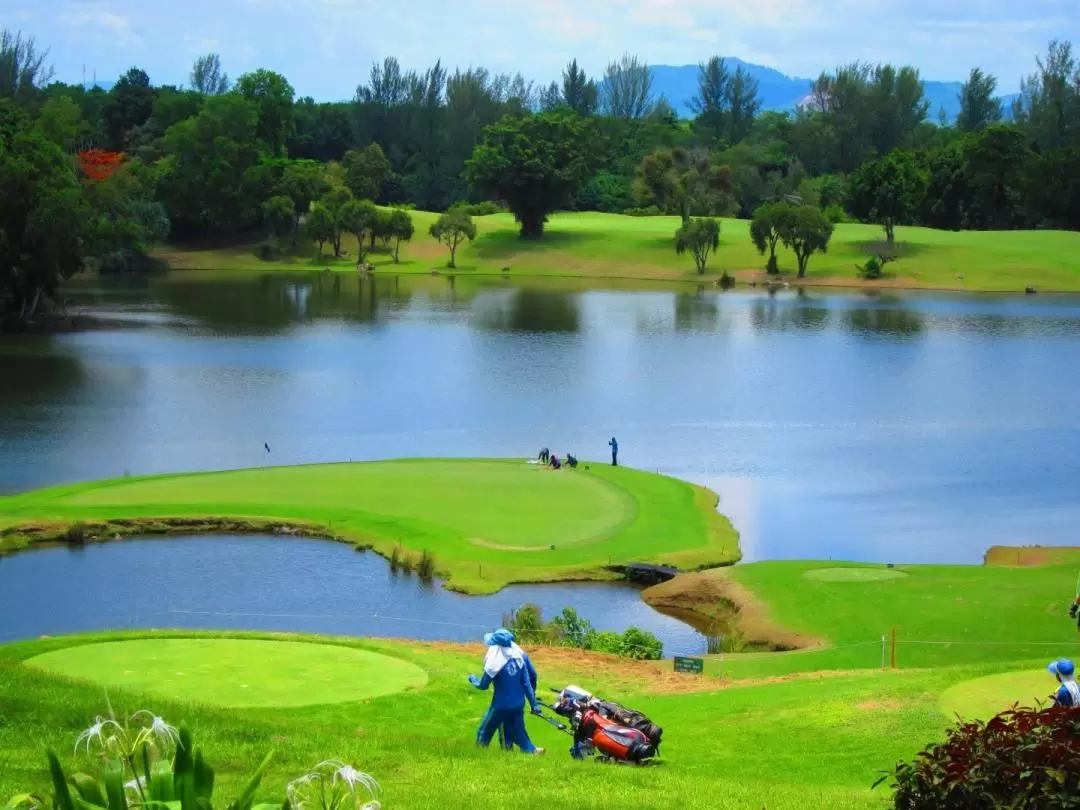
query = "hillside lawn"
{"x": 610, "y": 246}
{"x": 812, "y": 741}
{"x": 488, "y": 523}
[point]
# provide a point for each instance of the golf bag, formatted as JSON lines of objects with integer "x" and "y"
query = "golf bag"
{"x": 607, "y": 729}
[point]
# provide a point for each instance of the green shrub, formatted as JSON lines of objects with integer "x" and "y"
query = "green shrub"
{"x": 526, "y": 623}
{"x": 1021, "y": 758}
{"x": 395, "y": 558}
{"x": 269, "y": 250}
{"x": 641, "y": 644}
{"x": 76, "y": 533}
{"x": 650, "y": 211}
{"x": 425, "y": 569}
{"x": 482, "y": 209}
{"x": 836, "y": 214}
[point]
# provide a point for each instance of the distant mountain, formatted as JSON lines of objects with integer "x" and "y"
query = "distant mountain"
{"x": 777, "y": 91}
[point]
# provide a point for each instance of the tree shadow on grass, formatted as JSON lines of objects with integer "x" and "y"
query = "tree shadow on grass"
{"x": 897, "y": 250}
{"x": 502, "y": 244}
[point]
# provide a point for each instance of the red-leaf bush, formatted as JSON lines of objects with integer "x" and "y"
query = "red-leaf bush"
{"x": 99, "y": 164}
{"x": 1022, "y": 758}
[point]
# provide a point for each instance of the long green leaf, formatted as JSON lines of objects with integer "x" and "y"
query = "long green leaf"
{"x": 89, "y": 789}
{"x": 60, "y": 785}
{"x": 160, "y": 786}
{"x": 114, "y": 785}
{"x": 245, "y": 800}
{"x": 204, "y": 777}
{"x": 182, "y": 763}
{"x": 82, "y": 804}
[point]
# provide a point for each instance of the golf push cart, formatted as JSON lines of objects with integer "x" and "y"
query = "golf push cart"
{"x": 606, "y": 730}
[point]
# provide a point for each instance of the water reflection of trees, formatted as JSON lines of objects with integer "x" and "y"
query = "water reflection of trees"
{"x": 696, "y": 311}
{"x": 270, "y": 303}
{"x": 534, "y": 311}
{"x": 884, "y": 321}
{"x": 772, "y": 315}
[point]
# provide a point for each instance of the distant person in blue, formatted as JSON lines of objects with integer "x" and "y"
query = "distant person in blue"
{"x": 614, "y": 445}
{"x": 1068, "y": 694}
{"x": 509, "y": 669}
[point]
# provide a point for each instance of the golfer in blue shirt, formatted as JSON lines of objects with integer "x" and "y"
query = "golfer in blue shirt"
{"x": 508, "y": 668}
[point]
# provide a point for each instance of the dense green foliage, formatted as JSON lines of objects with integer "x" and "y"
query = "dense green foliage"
{"x": 214, "y": 156}
{"x": 1020, "y": 758}
{"x": 570, "y": 630}
{"x": 699, "y": 238}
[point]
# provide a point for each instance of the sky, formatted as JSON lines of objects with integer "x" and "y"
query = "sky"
{"x": 326, "y": 47}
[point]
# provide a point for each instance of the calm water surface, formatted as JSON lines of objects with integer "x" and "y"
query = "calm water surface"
{"x": 268, "y": 583}
{"x": 916, "y": 428}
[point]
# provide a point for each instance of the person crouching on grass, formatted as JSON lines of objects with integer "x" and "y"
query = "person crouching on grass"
{"x": 1068, "y": 694}
{"x": 505, "y": 666}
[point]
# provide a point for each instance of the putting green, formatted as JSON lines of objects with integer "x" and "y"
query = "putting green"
{"x": 982, "y": 698}
{"x": 236, "y": 673}
{"x": 853, "y": 574}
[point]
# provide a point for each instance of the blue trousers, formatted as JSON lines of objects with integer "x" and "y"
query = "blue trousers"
{"x": 510, "y": 724}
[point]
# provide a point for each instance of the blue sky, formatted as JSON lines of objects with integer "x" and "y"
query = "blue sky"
{"x": 325, "y": 47}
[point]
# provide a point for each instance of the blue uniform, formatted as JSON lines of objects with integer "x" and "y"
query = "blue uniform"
{"x": 1068, "y": 695}
{"x": 506, "y": 714}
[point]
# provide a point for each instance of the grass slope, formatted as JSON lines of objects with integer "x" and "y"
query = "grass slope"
{"x": 488, "y": 523}
{"x": 943, "y": 615}
{"x": 800, "y": 743}
{"x": 605, "y": 246}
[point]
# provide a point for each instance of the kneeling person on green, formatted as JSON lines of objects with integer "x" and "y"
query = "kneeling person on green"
{"x": 505, "y": 666}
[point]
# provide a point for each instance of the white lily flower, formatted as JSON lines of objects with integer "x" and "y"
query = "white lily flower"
{"x": 159, "y": 730}
{"x": 95, "y": 732}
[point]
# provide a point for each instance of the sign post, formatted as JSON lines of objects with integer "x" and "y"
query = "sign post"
{"x": 694, "y": 665}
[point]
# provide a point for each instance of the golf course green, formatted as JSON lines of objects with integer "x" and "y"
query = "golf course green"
{"x": 611, "y": 246}
{"x": 487, "y": 523}
{"x": 236, "y": 673}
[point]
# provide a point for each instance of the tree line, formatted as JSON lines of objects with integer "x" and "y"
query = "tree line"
{"x": 222, "y": 157}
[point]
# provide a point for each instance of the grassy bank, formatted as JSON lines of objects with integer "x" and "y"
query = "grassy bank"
{"x": 606, "y": 246}
{"x": 835, "y": 614}
{"x": 727, "y": 744}
{"x": 488, "y": 523}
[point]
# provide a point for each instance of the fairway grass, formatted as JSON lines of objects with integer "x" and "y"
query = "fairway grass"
{"x": 610, "y": 246}
{"x": 804, "y": 742}
{"x": 488, "y": 523}
{"x": 982, "y": 698}
{"x": 235, "y": 673}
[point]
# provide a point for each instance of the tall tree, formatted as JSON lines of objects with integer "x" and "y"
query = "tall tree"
{"x": 888, "y": 191}
{"x": 45, "y": 223}
{"x": 627, "y": 89}
{"x": 23, "y": 68}
{"x": 710, "y": 104}
{"x": 1049, "y": 101}
{"x": 683, "y": 182}
{"x": 805, "y": 230}
{"x": 699, "y": 237}
{"x": 365, "y": 171}
{"x": 765, "y": 230}
{"x": 979, "y": 107}
{"x": 742, "y": 104}
{"x": 208, "y": 183}
{"x": 579, "y": 92}
{"x": 400, "y": 229}
{"x": 453, "y": 228}
{"x": 550, "y": 98}
{"x": 207, "y": 77}
{"x": 131, "y": 102}
{"x": 272, "y": 96}
{"x": 535, "y": 164}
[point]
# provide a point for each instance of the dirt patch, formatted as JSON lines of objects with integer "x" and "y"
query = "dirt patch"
{"x": 479, "y": 541}
{"x": 606, "y": 672}
{"x": 1030, "y": 556}
{"x": 718, "y": 600}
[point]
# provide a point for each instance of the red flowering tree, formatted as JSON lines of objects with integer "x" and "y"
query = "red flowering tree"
{"x": 99, "y": 164}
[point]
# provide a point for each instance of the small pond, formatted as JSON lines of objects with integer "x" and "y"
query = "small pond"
{"x": 280, "y": 584}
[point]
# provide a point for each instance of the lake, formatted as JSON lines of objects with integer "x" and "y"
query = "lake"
{"x": 906, "y": 428}
{"x": 281, "y": 584}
